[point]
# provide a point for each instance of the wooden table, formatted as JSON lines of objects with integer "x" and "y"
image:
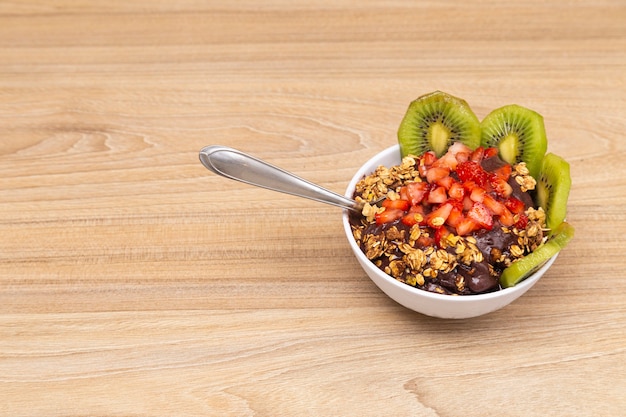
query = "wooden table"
{"x": 134, "y": 282}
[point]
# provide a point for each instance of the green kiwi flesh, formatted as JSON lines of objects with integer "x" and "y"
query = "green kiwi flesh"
{"x": 553, "y": 187}
{"x": 527, "y": 265}
{"x": 434, "y": 121}
{"x": 518, "y": 133}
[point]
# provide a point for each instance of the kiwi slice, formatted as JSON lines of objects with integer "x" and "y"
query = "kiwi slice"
{"x": 552, "y": 190}
{"x": 530, "y": 263}
{"x": 519, "y": 135}
{"x": 434, "y": 121}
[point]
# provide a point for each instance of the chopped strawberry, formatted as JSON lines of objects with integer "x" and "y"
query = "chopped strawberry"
{"x": 411, "y": 219}
{"x": 396, "y": 204}
{"x": 506, "y": 218}
{"x": 415, "y": 191}
{"x": 501, "y": 187}
{"x": 424, "y": 241}
{"x": 438, "y": 217}
{"x": 436, "y": 173}
{"x": 467, "y": 202}
{"x": 493, "y": 205}
{"x": 437, "y": 195}
{"x": 491, "y": 152}
{"x": 516, "y": 206}
{"x": 403, "y": 194}
{"x": 503, "y": 172}
{"x": 422, "y": 169}
{"x": 469, "y": 186}
{"x": 445, "y": 182}
{"x": 478, "y": 194}
{"x": 457, "y": 147}
{"x": 428, "y": 159}
{"x": 457, "y": 152}
{"x": 448, "y": 160}
{"x": 478, "y": 154}
{"x": 456, "y": 191}
{"x": 417, "y": 209}
{"x": 522, "y": 222}
{"x": 441, "y": 234}
{"x": 462, "y": 157}
{"x": 472, "y": 171}
{"x": 481, "y": 215}
{"x": 466, "y": 226}
{"x": 414, "y": 216}
{"x": 389, "y": 215}
{"x": 455, "y": 217}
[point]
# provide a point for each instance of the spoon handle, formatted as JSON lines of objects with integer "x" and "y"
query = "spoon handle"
{"x": 236, "y": 165}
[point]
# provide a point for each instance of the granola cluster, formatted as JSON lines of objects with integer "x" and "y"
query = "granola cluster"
{"x": 452, "y": 265}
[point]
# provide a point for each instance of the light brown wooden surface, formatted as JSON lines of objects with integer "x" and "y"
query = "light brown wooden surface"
{"x": 133, "y": 282}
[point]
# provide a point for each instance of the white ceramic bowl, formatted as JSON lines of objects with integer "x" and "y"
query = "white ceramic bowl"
{"x": 425, "y": 302}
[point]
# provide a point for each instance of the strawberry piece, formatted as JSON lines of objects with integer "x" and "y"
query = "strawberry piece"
{"x": 415, "y": 191}
{"x": 388, "y": 216}
{"x": 466, "y": 226}
{"x": 448, "y": 160}
{"x": 445, "y": 182}
{"x": 414, "y": 216}
{"x": 493, "y": 205}
{"x": 491, "y": 152}
{"x": 417, "y": 209}
{"x": 506, "y": 218}
{"x": 503, "y": 172}
{"x": 457, "y": 147}
{"x": 462, "y": 157}
{"x": 435, "y": 173}
{"x": 441, "y": 234}
{"x": 478, "y": 154}
{"x": 424, "y": 241}
{"x": 403, "y": 194}
{"x": 515, "y": 205}
{"x": 456, "y": 191}
{"x": 428, "y": 159}
{"x": 481, "y": 215}
{"x": 456, "y": 216}
{"x": 467, "y": 203}
{"x": 425, "y": 162}
{"x": 457, "y": 152}
{"x": 411, "y": 219}
{"x": 522, "y": 222}
{"x": 396, "y": 204}
{"x": 438, "y": 217}
{"x": 437, "y": 195}
{"x": 501, "y": 187}
{"x": 478, "y": 194}
{"x": 472, "y": 171}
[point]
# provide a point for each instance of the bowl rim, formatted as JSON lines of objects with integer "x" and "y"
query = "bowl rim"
{"x": 366, "y": 169}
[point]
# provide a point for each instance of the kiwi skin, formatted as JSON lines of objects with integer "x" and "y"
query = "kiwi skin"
{"x": 518, "y": 133}
{"x": 553, "y": 187}
{"x": 436, "y": 120}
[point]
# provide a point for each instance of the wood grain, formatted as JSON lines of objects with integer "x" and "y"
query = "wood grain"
{"x": 133, "y": 282}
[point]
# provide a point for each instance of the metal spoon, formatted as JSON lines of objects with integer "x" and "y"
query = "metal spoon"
{"x": 236, "y": 165}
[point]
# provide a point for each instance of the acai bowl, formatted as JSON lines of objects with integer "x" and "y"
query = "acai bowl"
{"x": 422, "y": 301}
{"x": 462, "y": 217}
